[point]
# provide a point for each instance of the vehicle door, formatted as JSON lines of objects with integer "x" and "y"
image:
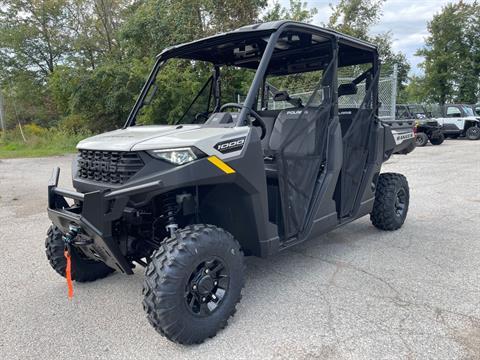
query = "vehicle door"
{"x": 357, "y": 139}
{"x": 454, "y": 117}
{"x": 299, "y": 139}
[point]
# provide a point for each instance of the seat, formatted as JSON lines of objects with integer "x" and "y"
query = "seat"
{"x": 284, "y": 126}
{"x": 345, "y": 117}
{"x": 268, "y": 117}
{"x": 285, "y": 123}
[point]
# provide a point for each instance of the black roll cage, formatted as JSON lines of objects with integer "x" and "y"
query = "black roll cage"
{"x": 366, "y": 52}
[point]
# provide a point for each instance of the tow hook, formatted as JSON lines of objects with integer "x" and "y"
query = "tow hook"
{"x": 76, "y": 237}
{"x": 71, "y": 234}
{"x": 67, "y": 239}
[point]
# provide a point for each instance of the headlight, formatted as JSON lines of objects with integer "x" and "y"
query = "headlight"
{"x": 178, "y": 156}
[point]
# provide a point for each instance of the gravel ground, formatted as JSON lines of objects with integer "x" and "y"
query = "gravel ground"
{"x": 355, "y": 293}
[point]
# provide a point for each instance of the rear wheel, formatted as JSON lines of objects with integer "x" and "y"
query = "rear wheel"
{"x": 83, "y": 269}
{"x": 193, "y": 283}
{"x": 392, "y": 198}
{"x": 473, "y": 133}
{"x": 421, "y": 139}
{"x": 437, "y": 140}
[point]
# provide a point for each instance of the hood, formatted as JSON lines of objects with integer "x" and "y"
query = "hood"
{"x": 151, "y": 137}
{"x": 126, "y": 139}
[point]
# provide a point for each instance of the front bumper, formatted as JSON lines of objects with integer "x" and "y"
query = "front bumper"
{"x": 94, "y": 213}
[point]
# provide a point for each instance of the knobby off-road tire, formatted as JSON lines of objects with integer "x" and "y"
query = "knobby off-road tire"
{"x": 473, "y": 133}
{"x": 83, "y": 270}
{"x": 392, "y": 198}
{"x": 177, "y": 283}
{"x": 437, "y": 140}
{"x": 421, "y": 139}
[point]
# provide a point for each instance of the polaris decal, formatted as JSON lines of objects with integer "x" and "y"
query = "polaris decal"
{"x": 230, "y": 145}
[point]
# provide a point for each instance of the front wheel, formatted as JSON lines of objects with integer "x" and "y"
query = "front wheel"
{"x": 392, "y": 198}
{"x": 421, "y": 139}
{"x": 473, "y": 133}
{"x": 193, "y": 283}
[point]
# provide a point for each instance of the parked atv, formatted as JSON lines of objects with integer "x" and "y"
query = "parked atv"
{"x": 188, "y": 200}
{"x": 425, "y": 129}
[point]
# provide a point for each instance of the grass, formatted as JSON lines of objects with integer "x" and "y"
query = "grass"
{"x": 40, "y": 142}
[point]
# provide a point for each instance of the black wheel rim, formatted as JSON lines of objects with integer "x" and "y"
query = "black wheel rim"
{"x": 400, "y": 202}
{"x": 207, "y": 287}
{"x": 419, "y": 140}
{"x": 474, "y": 131}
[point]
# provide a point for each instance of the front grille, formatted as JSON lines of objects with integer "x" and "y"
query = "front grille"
{"x": 112, "y": 167}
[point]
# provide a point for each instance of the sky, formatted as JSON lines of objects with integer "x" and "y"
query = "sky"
{"x": 405, "y": 19}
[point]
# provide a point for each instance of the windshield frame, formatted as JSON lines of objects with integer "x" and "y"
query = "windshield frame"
{"x": 468, "y": 110}
{"x": 243, "y": 118}
{"x": 361, "y": 53}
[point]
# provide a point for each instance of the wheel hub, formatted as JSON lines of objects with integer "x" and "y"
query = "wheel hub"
{"x": 207, "y": 287}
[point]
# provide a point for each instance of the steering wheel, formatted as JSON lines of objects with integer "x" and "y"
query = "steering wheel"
{"x": 201, "y": 116}
{"x": 258, "y": 119}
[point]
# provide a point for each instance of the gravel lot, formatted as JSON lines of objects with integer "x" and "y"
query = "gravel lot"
{"x": 356, "y": 293}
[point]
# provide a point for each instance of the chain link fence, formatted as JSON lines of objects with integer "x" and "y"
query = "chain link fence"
{"x": 387, "y": 94}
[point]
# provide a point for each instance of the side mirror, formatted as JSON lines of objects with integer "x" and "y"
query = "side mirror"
{"x": 281, "y": 96}
{"x": 347, "y": 89}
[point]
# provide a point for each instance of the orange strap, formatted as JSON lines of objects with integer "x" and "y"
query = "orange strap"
{"x": 68, "y": 274}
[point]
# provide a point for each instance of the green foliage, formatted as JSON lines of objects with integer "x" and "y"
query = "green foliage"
{"x": 104, "y": 96}
{"x": 414, "y": 92}
{"x": 32, "y": 34}
{"x": 75, "y": 67}
{"x": 355, "y": 17}
{"x": 26, "y": 99}
{"x": 452, "y": 54}
{"x": 154, "y": 25}
{"x": 298, "y": 11}
{"x": 40, "y": 142}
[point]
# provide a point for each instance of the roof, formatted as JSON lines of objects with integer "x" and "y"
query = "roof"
{"x": 265, "y": 29}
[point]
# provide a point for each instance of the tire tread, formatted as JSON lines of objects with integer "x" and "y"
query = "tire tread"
{"x": 381, "y": 215}
{"x": 159, "y": 273}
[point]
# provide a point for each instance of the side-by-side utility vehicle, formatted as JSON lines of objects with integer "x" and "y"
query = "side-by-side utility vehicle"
{"x": 226, "y": 179}
{"x": 459, "y": 120}
{"x": 425, "y": 128}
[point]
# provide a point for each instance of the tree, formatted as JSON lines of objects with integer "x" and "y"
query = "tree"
{"x": 451, "y": 53}
{"x": 32, "y": 35}
{"x": 355, "y": 17}
{"x": 154, "y": 25}
{"x": 413, "y": 92}
{"x": 94, "y": 26}
{"x": 298, "y": 11}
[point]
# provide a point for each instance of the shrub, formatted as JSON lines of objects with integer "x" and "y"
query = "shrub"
{"x": 40, "y": 141}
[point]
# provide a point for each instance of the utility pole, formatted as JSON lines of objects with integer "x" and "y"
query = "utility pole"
{"x": 2, "y": 113}
{"x": 394, "y": 91}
